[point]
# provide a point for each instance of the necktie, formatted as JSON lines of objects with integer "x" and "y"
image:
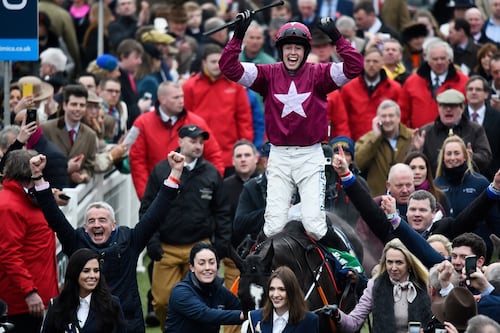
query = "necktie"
{"x": 371, "y": 88}
{"x": 475, "y": 117}
{"x": 71, "y": 136}
{"x": 132, "y": 83}
{"x": 435, "y": 86}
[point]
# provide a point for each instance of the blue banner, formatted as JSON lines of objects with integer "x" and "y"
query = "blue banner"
{"x": 19, "y": 30}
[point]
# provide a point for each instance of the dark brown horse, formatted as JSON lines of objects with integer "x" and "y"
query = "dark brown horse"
{"x": 319, "y": 276}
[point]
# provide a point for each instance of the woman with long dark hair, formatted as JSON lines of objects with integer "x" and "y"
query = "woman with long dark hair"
{"x": 423, "y": 179}
{"x": 85, "y": 304}
{"x": 285, "y": 306}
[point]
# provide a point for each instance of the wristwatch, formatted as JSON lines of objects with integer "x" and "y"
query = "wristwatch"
{"x": 392, "y": 216}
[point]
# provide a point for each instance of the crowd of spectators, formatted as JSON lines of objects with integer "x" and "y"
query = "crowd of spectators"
{"x": 419, "y": 121}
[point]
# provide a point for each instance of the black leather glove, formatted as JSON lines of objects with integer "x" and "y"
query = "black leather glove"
{"x": 331, "y": 311}
{"x": 242, "y": 23}
{"x": 327, "y": 25}
{"x": 154, "y": 250}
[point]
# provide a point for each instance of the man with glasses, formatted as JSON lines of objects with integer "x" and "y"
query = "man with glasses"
{"x": 452, "y": 121}
{"x": 110, "y": 92}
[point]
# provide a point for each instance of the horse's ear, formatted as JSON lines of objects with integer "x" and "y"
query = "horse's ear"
{"x": 235, "y": 257}
{"x": 267, "y": 261}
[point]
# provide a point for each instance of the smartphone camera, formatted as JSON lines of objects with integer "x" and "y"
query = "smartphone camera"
{"x": 470, "y": 265}
{"x": 30, "y": 116}
{"x": 414, "y": 327}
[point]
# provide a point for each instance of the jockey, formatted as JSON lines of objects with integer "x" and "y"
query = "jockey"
{"x": 294, "y": 94}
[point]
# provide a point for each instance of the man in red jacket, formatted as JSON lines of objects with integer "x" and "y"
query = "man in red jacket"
{"x": 158, "y": 135}
{"x": 434, "y": 76}
{"x": 28, "y": 269}
{"x": 361, "y": 97}
{"x": 222, "y": 103}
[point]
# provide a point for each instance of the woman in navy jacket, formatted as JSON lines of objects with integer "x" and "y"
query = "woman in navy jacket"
{"x": 200, "y": 303}
{"x": 285, "y": 306}
{"x": 85, "y": 304}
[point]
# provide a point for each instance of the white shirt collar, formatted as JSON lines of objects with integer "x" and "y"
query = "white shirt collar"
{"x": 376, "y": 26}
{"x": 480, "y": 114}
{"x": 190, "y": 166}
{"x": 166, "y": 118}
{"x": 279, "y": 322}
{"x": 76, "y": 128}
{"x": 442, "y": 77}
{"x": 83, "y": 309}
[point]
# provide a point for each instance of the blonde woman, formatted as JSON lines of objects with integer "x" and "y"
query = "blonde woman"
{"x": 395, "y": 296}
{"x": 456, "y": 177}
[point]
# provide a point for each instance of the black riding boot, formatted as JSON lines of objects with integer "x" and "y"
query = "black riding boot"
{"x": 333, "y": 240}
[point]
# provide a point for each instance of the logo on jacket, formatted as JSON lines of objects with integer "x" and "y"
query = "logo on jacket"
{"x": 293, "y": 101}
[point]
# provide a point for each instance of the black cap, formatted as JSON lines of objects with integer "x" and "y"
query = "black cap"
{"x": 193, "y": 132}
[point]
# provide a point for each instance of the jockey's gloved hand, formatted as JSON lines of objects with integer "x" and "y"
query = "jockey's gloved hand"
{"x": 327, "y": 25}
{"x": 243, "y": 20}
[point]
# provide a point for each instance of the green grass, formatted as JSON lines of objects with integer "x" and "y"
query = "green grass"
{"x": 142, "y": 280}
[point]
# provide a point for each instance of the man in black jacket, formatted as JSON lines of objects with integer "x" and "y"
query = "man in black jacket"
{"x": 119, "y": 247}
{"x": 199, "y": 213}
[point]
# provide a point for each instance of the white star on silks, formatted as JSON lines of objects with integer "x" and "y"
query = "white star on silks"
{"x": 292, "y": 101}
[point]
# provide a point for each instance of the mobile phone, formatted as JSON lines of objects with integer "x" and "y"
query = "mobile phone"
{"x": 63, "y": 196}
{"x": 439, "y": 328}
{"x": 414, "y": 327}
{"x": 495, "y": 96}
{"x": 27, "y": 89}
{"x": 30, "y": 116}
{"x": 470, "y": 265}
{"x": 147, "y": 95}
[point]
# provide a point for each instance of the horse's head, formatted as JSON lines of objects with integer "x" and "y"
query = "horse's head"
{"x": 254, "y": 273}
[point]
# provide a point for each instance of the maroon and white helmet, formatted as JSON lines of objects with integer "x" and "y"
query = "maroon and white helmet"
{"x": 294, "y": 33}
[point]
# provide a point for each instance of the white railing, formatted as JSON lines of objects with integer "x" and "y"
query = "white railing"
{"x": 114, "y": 188}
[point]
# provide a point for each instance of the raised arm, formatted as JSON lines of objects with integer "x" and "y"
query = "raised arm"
{"x": 373, "y": 215}
{"x": 352, "y": 59}
{"x": 229, "y": 64}
{"x": 57, "y": 221}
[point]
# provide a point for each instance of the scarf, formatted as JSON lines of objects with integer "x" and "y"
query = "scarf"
{"x": 397, "y": 291}
{"x": 424, "y": 186}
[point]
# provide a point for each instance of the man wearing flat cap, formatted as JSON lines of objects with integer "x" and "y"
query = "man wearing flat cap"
{"x": 452, "y": 121}
{"x": 208, "y": 219}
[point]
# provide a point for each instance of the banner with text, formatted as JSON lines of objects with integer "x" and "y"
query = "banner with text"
{"x": 19, "y": 30}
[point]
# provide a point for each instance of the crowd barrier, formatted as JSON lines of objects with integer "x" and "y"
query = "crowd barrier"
{"x": 114, "y": 188}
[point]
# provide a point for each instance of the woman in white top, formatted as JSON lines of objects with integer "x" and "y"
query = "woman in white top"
{"x": 285, "y": 309}
{"x": 85, "y": 304}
